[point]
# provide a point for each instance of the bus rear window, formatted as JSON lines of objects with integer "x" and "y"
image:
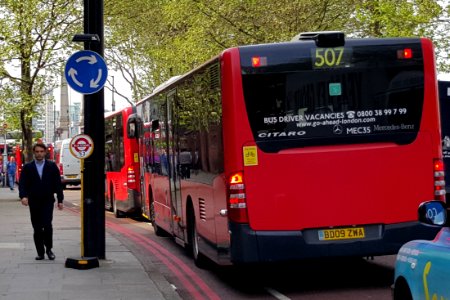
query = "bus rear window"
{"x": 298, "y": 95}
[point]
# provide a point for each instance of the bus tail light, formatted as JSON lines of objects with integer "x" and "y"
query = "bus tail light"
{"x": 439, "y": 181}
{"x": 405, "y": 53}
{"x": 237, "y": 199}
{"x": 61, "y": 169}
{"x": 131, "y": 177}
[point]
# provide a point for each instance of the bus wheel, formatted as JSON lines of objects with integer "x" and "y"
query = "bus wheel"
{"x": 117, "y": 213}
{"x": 199, "y": 259}
{"x": 109, "y": 200}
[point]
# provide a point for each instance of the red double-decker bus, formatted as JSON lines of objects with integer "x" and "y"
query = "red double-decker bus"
{"x": 324, "y": 146}
{"x": 121, "y": 165}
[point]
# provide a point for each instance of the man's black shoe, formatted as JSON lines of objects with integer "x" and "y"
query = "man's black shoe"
{"x": 39, "y": 257}
{"x": 50, "y": 255}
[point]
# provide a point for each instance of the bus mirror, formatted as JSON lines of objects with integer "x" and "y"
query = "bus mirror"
{"x": 155, "y": 125}
{"x": 132, "y": 126}
{"x": 132, "y": 130}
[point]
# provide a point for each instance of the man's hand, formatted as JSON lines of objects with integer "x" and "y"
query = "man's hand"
{"x": 24, "y": 201}
{"x": 60, "y": 206}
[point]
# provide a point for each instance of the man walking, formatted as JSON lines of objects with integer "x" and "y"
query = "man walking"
{"x": 39, "y": 181}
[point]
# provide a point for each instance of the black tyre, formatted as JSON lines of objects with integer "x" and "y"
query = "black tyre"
{"x": 117, "y": 213}
{"x": 401, "y": 290}
{"x": 200, "y": 260}
{"x": 109, "y": 200}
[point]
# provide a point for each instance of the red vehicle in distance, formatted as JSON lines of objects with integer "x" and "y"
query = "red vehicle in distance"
{"x": 122, "y": 188}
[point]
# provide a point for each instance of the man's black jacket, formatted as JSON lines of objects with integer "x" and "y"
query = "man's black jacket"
{"x": 37, "y": 189}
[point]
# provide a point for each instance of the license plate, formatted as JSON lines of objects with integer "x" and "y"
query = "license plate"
{"x": 71, "y": 176}
{"x": 341, "y": 234}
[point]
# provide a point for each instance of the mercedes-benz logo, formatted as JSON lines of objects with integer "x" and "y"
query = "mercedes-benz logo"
{"x": 337, "y": 129}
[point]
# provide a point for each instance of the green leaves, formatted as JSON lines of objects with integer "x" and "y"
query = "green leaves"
{"x": 35, "y": 40}
{"x": 394, "y": 18}
{"x": 170, "y": 37}
{"x": 149, "y": 41}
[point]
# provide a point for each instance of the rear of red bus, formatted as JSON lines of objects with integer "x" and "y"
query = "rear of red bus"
{"x": 50, "y": 152}
{"x": 334, "y": 145}
{"x": 18, "y": 155}
{"x": 121, "y": 165}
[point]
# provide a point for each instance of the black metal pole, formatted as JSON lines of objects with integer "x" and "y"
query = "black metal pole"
{"x": 94, "y": 126}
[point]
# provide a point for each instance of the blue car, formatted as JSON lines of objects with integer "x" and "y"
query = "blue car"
{"x": 422, "y": 268}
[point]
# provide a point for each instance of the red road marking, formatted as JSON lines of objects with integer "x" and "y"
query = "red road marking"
{"x": 163, "y": 255}
{"x": 173, "y": 263}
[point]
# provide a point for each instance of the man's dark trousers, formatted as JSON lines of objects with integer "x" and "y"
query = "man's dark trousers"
{"x": 41, "y": 219}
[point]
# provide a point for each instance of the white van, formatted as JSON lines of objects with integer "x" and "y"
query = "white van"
{"x": 69, "y": 166}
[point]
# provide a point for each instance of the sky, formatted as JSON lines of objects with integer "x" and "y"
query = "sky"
{"x": 444, "y": 76}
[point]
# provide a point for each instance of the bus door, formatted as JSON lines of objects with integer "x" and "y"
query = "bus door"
{"x": 143, "y": 142}
{"x": 175, "y": 188}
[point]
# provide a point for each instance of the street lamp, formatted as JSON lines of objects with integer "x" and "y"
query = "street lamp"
{"x": 86, "y": 37}
{"x": 113, "y": 102}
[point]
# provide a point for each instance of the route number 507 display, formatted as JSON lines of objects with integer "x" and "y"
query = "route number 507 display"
{"x": 331, "y": 57}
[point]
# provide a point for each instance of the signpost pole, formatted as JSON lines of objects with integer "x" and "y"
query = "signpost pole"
{"x": 5, "y": 154}
{"x": 82, "y": 146}
{"x": 94, "y": 126}
{"x": 82, "y": 208}
{"x": 86, "y": 72}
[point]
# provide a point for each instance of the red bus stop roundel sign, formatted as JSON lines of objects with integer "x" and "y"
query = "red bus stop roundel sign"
{"x": 81, "y": 146}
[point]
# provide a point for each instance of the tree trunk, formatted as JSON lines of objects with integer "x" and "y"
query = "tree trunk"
{"x": 27, "y": 136}
{"x": 26, "y": 112}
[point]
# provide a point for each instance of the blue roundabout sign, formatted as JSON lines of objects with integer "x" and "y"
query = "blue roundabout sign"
{"x": 86, "y": 72}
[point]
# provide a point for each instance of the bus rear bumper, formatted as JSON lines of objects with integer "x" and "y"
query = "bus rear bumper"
{"x": 70, "y": 181}
{"x": 249, "y": 246}
{"x": 133, "y": 203}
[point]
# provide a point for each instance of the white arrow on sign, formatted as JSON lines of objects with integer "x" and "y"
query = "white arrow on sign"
{"x": 94, "y": 83}
{"x": 72, "y": 73}
{"x": 91, "y": 59}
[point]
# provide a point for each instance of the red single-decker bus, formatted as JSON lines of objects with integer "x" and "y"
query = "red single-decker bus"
{"x": 324, "y": 146}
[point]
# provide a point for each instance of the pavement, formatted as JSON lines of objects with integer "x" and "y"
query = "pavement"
{"x": 119, "y": 276}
